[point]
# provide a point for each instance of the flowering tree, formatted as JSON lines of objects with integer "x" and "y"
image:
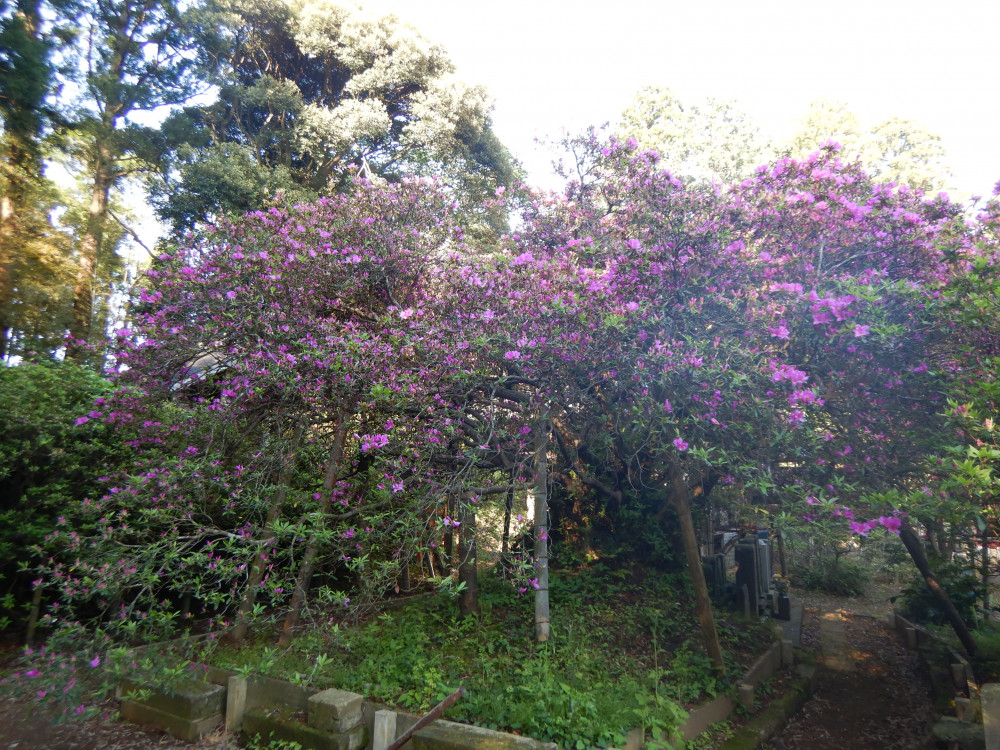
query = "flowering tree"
{"x": 334, "y": 382}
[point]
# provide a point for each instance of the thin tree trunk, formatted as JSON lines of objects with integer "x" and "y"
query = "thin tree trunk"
{"x": 33, "y": 615}
{"x": 508, "y": 508}
{"x": 468, "y": 601}
{"x": 916, "y": 549}
{"x": 543, "y": 627}
{"x": 404, "y": 575}
{"x": 781, "y": 555}
{"x": 984, "y": 556}
{"x": 262, "y": 554}
{"x": 312, "y": 546}
{"x": 449, "y": 534}
{"x": 703, "y": 603}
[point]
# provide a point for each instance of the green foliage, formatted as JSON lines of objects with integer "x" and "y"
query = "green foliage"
{"x": 709, "y": 141}
{"x": 988, "y": 661}
{"x": 259, "y": 743}
{"x": 962, "y": 585}
{"x": 896, "y": 149}
{"x": 313, "y": 96}
{"x": 839, "y": 576}
{"x": 595, "y": 679}
{"x": 49, "y": 464}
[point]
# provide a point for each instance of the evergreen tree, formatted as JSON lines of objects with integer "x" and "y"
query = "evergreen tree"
{"x": 134, "y": 56}
{"x": 32, "y": 255}
{"x": 314, "y": 95}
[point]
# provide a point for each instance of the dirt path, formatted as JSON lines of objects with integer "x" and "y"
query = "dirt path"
{"x": 871, "y": 694}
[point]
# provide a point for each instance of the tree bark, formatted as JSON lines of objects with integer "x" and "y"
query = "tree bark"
{"x": 33, "y": 615}
{"x": 543, "y": 627}
{"x": 984, "y": 557}
{"x": 262, "y": 554}
{"x": 312, "y": 546}
{"x": 919, "y": 556}
{"x": 468, "y": 601}
{"x": 90, "y": 246}
{"x": 508, "y": 509}
{"x": 703, "y": 603}
{"x": 781, "y": 555}
{"x": 449, "y": 534}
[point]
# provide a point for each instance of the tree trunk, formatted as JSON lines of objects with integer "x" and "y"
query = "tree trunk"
{"x": 703, "y": 604}
{"x": 404, "y": 575}
{"x": 90, "y": 246}
{"x": 33, "y": 616}
{"x": 542, "y": 625}
{"x": 449, "y": 535}
{"x": 312, "y": 546}
{"x": 916, "y": 549}
{"x": 508, "y": 509}
{"x": 468, "y": 601}
{"x": 984, "y": 556}
{"x": 262, "y": 554}
{"x": 781, "y": 555}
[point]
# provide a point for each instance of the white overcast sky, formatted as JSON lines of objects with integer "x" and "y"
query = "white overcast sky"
{"x": 551, "y": 64}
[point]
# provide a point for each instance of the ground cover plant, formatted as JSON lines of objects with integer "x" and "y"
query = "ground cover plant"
{"x": 624, "y": 654}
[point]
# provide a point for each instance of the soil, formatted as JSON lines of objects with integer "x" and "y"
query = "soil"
{"x": 24, "y": 727}
{"x": 882, "y": 703}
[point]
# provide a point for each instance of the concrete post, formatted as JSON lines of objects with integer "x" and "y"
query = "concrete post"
{"x": 990, "y": 694}
{"x": 236, "y": 703}
{"x": 959, "y": 676}
{"x": 787, "y": 654}
{"x": 385, "y": 729}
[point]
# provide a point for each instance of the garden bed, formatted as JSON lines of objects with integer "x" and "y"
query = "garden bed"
{"x": 625, "y": 653}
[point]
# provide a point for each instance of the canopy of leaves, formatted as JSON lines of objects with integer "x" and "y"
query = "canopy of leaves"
{"x": 313, "y": 95}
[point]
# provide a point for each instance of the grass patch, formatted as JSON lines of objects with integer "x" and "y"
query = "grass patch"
{"x": 624, "y": 652}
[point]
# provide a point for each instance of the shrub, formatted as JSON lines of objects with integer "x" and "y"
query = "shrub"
{"x": 51, "y": 457}
{"x": 963, "y": 588}
{"x": 838, "y": 576}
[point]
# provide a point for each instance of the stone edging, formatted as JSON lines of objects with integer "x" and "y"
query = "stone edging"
{"x": 263, "y": 705}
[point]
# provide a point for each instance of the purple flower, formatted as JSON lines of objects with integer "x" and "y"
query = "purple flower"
{"x": 82, "y": 420}
{"x": 891, "y": 523}
{"x": 96, "y": 661}
{"x": 514, "y": 354}
{"x": 860, "y": 330}
{"x": 792, "y": 374}
{"x": 680, "y": 444}
{"x": 371, "y": 442}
